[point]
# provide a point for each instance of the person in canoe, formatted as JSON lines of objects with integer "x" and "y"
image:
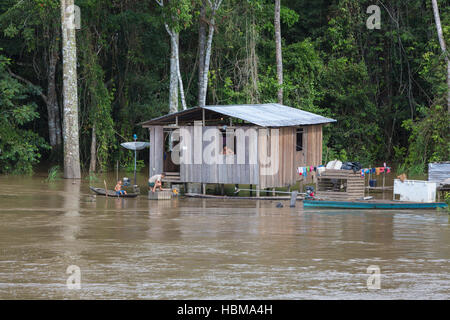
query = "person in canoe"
{"x": 156, "y": 182}
{"x": 118, "y": 188}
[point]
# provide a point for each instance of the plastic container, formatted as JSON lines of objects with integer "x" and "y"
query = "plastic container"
{"x": 415, "y": 190}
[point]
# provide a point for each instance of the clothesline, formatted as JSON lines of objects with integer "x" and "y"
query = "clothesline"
{"x": 303, "y": 171}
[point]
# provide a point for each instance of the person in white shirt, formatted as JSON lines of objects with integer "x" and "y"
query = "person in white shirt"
{"x": 156, "y": 182}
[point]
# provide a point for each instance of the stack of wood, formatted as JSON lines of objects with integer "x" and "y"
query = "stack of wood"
{"x": 340, "y": 185}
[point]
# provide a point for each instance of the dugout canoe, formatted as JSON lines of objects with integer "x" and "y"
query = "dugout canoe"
{"x": 372, "y": 204}
{"x": 112, "y": 193}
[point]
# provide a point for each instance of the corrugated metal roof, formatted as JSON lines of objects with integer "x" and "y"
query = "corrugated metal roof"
{"x": 264, "y": 115}
{"x": 270, "y": 114}
{"x": 438, "y": 171}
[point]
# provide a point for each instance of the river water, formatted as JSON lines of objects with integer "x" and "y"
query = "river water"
{"x": 211, "y": 249}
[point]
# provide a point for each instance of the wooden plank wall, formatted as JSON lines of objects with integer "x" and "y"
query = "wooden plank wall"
{"x": 313, "y": 145}
{"x": 156, "y": 156}
{"x": 311, "y": 155}
{"x": 284, "y": 159}
{"x": 225, "y": 169}
{"x": 232, "y": 172}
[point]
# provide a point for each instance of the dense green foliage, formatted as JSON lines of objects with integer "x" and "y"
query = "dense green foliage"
{"x": 387, "y": 88}
{"x": 19, "y": 145}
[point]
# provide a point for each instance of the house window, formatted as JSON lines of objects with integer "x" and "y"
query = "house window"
{"x": 229, "y": 135}
{"x": 299, "y": 142}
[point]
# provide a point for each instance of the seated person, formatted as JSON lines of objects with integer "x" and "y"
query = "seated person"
{"x": 118, "y": 188}
{"x": 156, "y": 182}
{"x": 227, "y": 151}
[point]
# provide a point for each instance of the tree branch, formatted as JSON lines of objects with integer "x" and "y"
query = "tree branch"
{"x": 16, "y": 76}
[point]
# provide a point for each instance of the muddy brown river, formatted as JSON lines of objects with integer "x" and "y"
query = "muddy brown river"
{"x": 212, "y": 249}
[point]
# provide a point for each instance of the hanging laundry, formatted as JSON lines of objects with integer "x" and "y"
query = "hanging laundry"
{"x": 388, "y": 170}
{"x": 381, "y": 169}
{"x": 362, "y": 173}
{"x": 377, "y": 171}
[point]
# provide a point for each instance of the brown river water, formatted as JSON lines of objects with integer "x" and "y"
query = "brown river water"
{"x": 211, "y": 249}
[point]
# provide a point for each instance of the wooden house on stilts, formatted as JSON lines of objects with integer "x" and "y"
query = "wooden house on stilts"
{"x": 253, "y": 144}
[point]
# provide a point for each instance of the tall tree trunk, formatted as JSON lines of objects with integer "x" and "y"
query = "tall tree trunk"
{"x": 175, "y": 58}
{"x": 54, "y": 120}
{"x": 173, "y": 95}
{"x": 279, "y": 57}
{"x": 203, "y": 82}
{"x": 437, "y": 18}
{"x": 175, "y": 74}
{"x": 201, "y": 44}
{"x": 72, "y": 168}
{"x": 93, "y": 162}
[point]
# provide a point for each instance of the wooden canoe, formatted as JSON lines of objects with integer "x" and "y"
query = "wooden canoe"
{"x": 112, "y": 193}
{"x": 372, "y": 204}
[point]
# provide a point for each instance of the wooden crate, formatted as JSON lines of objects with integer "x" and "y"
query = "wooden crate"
{"x": 160, "y": 195}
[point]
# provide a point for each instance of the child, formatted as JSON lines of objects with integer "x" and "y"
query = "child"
{"x": 118, "y": 188}
{"x": 156, "y": 182}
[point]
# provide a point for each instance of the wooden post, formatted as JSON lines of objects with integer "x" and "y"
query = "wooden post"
{"x": 106, "y": 189}
{"x": 293, "y": 199}
{"x": 204, "y": 188}
{"x": 258, "y": 193}
{"x": 117, "y": 170}
{"x": 273, "y": 192}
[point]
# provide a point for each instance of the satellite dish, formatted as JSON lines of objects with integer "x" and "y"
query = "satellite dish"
{"x": 137, "y": 145}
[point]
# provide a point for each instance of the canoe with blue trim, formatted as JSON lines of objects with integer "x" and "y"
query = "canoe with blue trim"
{"x": 112, "y": 193}
{"x": 372, "y": 204}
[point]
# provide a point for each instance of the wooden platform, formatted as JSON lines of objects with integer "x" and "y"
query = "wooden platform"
{"x": 210, "y": 196}
{"x": 160, "y": 195}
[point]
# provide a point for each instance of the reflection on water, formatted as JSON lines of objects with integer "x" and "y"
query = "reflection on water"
{"x": 196, "y": 248}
